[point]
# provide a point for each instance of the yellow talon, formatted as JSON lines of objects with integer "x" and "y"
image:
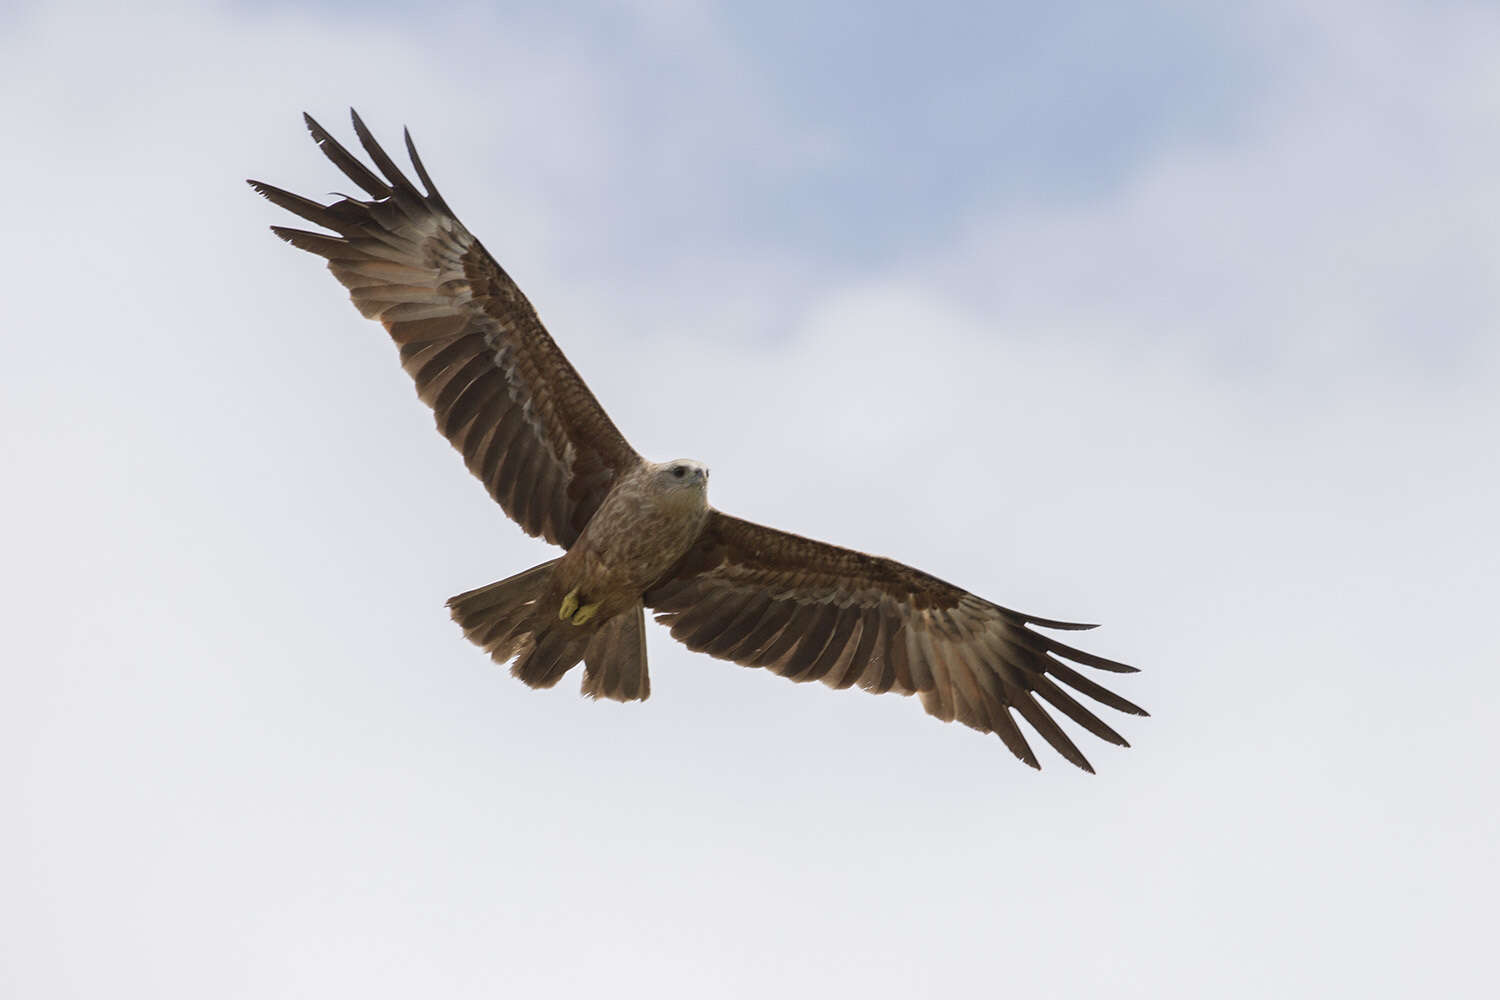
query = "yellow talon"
{"x": 584, "y": 614}
{"x": 569, "y": 605}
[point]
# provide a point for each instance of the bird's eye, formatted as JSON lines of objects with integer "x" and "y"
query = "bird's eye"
{"x": 679, "y": 471}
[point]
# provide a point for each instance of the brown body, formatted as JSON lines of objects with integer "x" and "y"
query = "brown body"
{"x": 643, "y": 527}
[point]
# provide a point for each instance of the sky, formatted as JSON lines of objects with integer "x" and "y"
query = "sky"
{"x": 1171, "y": 318}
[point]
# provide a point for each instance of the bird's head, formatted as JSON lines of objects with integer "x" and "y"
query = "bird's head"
{"x": 682, "y": 474}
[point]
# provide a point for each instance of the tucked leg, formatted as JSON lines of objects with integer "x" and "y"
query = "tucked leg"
{"x": 573, "y": 610}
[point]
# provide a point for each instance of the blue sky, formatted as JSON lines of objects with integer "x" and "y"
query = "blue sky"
{"x": 1135, "y": 313}
{"x": 860, "y": 132}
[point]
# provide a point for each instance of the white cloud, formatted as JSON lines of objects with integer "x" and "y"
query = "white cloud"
{"x": 1241, "y": 410}
{"x": 1351, "y": 222}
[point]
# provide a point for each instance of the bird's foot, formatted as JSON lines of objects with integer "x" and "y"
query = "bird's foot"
{"x": 573, "y": 611}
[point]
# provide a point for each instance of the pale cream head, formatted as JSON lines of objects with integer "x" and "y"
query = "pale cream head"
{"x": 681, "y": 474}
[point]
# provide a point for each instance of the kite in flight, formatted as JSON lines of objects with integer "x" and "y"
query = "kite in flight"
{"x": 641, "y": 534}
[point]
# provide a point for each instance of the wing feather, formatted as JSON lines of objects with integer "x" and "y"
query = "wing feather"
{"x": 808, "y": 610}
{"x": 813, "y": 644}
{"x": 500, "y": 389}
{"x": 858, "y": 655}
{"x": 845, "y": 622}
{"x": 487, "y": 385}
{"x": 734, "y": 632}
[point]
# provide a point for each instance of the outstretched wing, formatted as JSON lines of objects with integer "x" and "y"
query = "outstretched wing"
{"x": 502, "y": 392}
{"x": 812, "y": 611}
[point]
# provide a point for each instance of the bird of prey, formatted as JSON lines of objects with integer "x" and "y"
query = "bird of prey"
{"x": 640, "y": 534}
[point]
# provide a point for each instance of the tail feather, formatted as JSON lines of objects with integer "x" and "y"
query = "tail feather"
{"x": 497, "y": 618}
{"x": 556, "y": 648}
{"x": 614, "y": 665}
{"x": 504, "y": 620}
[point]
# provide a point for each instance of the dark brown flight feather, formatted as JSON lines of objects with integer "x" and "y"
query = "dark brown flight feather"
{"x": 500, "y": 389}
{"x": 808, "y": 611}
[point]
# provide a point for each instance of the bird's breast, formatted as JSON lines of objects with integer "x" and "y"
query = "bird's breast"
{"x": 630, "y": 543}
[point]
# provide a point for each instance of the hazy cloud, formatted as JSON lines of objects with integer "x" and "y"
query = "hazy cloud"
{"x": 1229, "y": 386}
